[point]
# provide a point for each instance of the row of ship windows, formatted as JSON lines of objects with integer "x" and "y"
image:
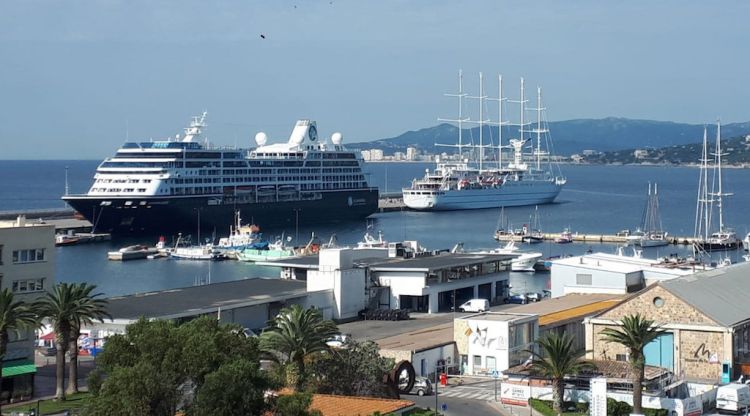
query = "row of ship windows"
{"x": 122, "y": 181}
{"x": 117, "y": 190}
{"x": 218, "y": 164}
{"x": 198, "y": 190}
{"x": 265, "y": 179}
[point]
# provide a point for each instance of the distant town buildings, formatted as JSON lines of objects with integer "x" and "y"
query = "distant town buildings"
{"x": 411, "y": 153}
{"x": 640, "y": 153}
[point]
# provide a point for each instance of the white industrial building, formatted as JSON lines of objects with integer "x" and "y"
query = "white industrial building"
{"x": 609, "y": 273}
{"x": 492, "y": 341}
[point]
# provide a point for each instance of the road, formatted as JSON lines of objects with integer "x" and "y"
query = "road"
{"x": 473, "y": 398}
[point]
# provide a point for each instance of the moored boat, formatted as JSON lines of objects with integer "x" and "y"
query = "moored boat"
{"x": 133, "y": 252}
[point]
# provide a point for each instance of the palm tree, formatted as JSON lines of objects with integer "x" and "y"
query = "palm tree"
{"x": 294, "y": 335}
{"x": 68, "y": 306}
{"x": 15, "y": 315}
{"x": 634, "y": 333}
{"x": 90, "y": 308}
{"x": 557, "y": 359}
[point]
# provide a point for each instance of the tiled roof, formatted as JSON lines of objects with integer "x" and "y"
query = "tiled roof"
{"x": 332, "y": 405}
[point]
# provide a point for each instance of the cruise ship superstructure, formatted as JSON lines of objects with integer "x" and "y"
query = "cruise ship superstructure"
{"x": 174, "y": 185}
{"x": 524, "y": 180}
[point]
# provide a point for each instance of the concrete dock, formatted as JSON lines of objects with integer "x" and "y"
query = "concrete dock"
{"x": 609, "y": 238}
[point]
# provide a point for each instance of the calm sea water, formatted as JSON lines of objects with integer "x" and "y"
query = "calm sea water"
{"x": 597, "y": 199}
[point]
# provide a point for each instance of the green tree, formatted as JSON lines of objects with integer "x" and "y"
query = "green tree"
{"x": 634, "y": 333}
{"x": 294, "y": 335}
{"x": 297, "y": 404}
{"x": 15, "y": 316}
{"x": 159, "y": 367}
{"x": 557, "y": 359}
{"x": 234, "y": 389}
{"x": 59, "y": 307}
{"x": 355, "y": 369}
{"x": 90, "y": 307}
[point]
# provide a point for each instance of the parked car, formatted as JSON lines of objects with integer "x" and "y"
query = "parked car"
{"x": 534, "y": 296}
{"x": 48, "y": 351}
{"x": 475, "y": 305}
{"x": 422, "y": 386}
{"x": 517, "y": 298}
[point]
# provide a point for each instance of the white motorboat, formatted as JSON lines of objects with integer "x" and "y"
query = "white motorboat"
{"x": 746, "y": 242}
{"x": 369, "y": 241}
{"x": 524, "y": 262}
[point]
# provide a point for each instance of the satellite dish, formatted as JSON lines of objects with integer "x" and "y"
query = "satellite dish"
{"x": 337, "y": 138}
{"x": 261, "y": 139}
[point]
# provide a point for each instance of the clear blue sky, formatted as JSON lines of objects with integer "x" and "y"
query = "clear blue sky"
{"x": 74, "y": 74}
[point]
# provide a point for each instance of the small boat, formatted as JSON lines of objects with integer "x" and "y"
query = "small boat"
{"x": 565, "y": 237}
{"x": 240, "y": 236}
{"x": 134, "y": 252}
{"x": 185, "y": 251}
{"x": 650, "y": 234}
{"x": 368, "y": 241}
{"x": 524, "y": 262}
{"x": 746, "y": 242}
{"x": 273, "y": 251}
{"x": 532, "y": 234}
{"x": 66, "y": 240}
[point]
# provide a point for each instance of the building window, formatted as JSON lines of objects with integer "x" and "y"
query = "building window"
{"x": 28, "y": 285}
{"x": 28, "y": 256}
{"x": 583, "y": 279}
{"x": 621, "y": 357}
{"x": 491, "y": 363}
{"x": 477, "y": 361}
{"x": 658, "y": 302}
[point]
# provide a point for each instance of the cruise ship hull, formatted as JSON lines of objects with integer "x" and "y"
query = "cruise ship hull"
{"x": 509, "y": 195}
{"x": 169, "y": 215}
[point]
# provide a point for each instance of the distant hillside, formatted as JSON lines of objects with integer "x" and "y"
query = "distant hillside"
{"x": 737, "y": 152}
{"x": 570, "y": 136}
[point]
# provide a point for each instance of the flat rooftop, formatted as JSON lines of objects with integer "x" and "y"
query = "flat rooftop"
{"x": 437, "y": 262}
{"x": 504, "y": 316}
{"x": 303, "y": 262}
{"x": 194, "y": 300}
{"x": 621, "y": 264}
{"x": 566, "y": 308}
{"x": 419, "y": 339}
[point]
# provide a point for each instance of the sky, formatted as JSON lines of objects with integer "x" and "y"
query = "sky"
{"x": 78, "y": 78}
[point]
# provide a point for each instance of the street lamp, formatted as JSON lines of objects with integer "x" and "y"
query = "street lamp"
{"x": 296, "y": 225}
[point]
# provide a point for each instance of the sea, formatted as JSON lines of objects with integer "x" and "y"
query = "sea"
{"x": 596, "y": 200}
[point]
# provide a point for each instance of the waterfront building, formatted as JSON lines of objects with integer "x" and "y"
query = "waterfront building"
{"x": 494, "y": 341}
{"x": 609, "y": 273}
{"x": 366, "y": 155}
{"x": 640, "y": 153}
{"x": 376, "y": 155}
{"x": 27, "y": 268}
{"x": 706, "y": 320}
{"x": 411, "y": 153}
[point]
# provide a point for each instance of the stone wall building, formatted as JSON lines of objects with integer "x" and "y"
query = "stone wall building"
{"x": 706, "y": 320}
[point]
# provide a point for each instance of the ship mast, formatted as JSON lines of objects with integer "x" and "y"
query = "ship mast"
{"x": 500, "y": 123}
{"x": 702, "y": 208}
{"x": 481, "y": 122}
{"x": 539, "y": 130}
{"x": 461, "y": 94}
{"x": 719, "y": 195}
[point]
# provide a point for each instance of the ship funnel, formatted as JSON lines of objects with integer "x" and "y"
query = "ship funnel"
{"x": 304, "y": 129}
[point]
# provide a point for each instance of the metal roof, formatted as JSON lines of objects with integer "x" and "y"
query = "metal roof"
{"x": 437, "y": 262}
{"x": 302, "y": 262}
{"x": 194, "y": 300}
{"x": 722, "y": 294}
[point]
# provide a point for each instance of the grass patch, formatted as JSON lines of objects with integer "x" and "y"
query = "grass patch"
{"x": 73, "y": 402}
{"x": 545, "y": 407}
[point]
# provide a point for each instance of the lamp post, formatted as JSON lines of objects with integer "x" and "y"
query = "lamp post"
{"x": 296, "y": 225}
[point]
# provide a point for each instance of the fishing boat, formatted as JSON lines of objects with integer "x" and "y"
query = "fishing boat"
{"x": 650, "y": 233}
{"x": 460, "y": 185}
{"x": 565, "y": 237}
{"x": 273, "y": 251}
{"x": 183, "y": 250}
{"x": 240, "y": 237}
{"x": 369, "y": 241}
{"x": 706, "y": 239}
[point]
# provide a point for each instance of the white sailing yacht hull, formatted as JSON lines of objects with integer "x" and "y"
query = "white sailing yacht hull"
{"x": 510, "y": 194}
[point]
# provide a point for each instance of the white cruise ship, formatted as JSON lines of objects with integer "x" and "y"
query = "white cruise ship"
{"x": 524, "y": 180}
{"x": 177, "y": 184}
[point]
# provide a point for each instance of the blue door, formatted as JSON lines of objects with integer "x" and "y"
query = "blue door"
{"x": 660, "y": 352}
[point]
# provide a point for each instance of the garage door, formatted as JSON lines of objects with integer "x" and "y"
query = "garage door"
{"x": 660, "y": 352}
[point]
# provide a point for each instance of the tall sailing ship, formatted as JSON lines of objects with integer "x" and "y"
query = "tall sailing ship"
{"x": 163, "y": 186}
{"x": 524, "y": 180}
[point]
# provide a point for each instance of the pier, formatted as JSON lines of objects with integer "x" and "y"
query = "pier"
{"x": 611, "y": 238}
{"x": 391, "y": 202}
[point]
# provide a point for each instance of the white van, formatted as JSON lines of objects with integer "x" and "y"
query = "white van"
{"x": 733, "y": 398}
{"x": 475, "y": 305}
